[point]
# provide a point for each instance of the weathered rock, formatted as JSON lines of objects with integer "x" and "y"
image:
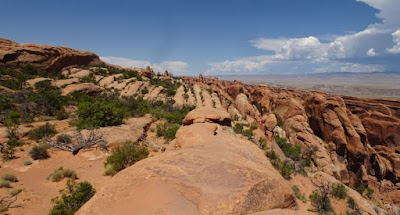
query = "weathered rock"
{"x": 6, "y": 91}
{"x": 62, "y": 82}
{"x": 50, "y": 58}
{"x": 210, "y": 174}
{"x": 32, "y": 82}
{"x": 200, "y": 115}
{"x": 268, "y": 122}
{"x": 88, "y": 88}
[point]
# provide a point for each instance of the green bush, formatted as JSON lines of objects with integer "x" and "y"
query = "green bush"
{"x": 47, "y": 102}
{"x": 262, "y": 142}
{"x": 39, "y": 152}
{"x": 44, "y": 85}
{"x": 239, "y": 129}
{"x": 167, "y": 130}
{"x": 5, "y": 184}
{"x": 122, "y": 157}
{"x": 360, "y": 189}
{"x": 64, "y": 139}
{"x": 41, "y": 132}
{"x": 72, "y": 198}
{"x": 145, "y": 91}
{"x": 62, "y": 173}
{"x": 27, "y": 162}
{"x": 298, "y": 194}
{"x": 286, "y": 169}
{"x": 15, "y": 192}
{"x": 61, "y": 114}
{"x": 320, "y": 200}
{"x": 170, "y": 87}
{"x": 10, "y": 177}
{"x": 339, "y": 191}
{"x": 351, "y": 203}
{"x": 369, "y": 193}
{"x": 290, "y": 151}
{"x": 100, "y": 113}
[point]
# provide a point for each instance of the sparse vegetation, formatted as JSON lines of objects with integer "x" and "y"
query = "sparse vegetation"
{"x": 239, "y": 129}
{"x": 41, "y": 132}
{"x": 122, "y": 157}
{"x": 167, "y": 130}
{"x": 339, "y": 191}
{"x": 298, "y": 194}
{"x": 170, "y": 86}
{"x": 262, "y": 142}
{"x": 39, "y": 152}
{"x": 290, "y": 151}
{"x": 5, "y": 184}
{"x": 320, "y": 199}
{"x": 10, "y": 178}
{"x": 62, "y": 173}
{"x": 72, "y": 198}
{"x": 27, "y": 162}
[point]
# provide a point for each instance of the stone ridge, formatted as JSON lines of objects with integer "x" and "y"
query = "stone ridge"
{"x": 49, "y": 58}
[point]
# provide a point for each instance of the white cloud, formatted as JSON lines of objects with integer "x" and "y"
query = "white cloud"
{"x": 175, "y": 67}
{"x": 396, "y": 39}
{"x": 371, "y": 52}
{"x": 268, "y": 44}
{"x": 317, "y": 55}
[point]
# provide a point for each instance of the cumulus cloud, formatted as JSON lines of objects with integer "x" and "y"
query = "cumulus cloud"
{"x": 371, "y": 52}
{"x": 175, "y": 67}
{"x": 378, "y": 39}
{"x": 396, "y": 39}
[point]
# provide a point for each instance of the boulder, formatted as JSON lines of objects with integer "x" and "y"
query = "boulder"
{"x": 88, "y": 88}
{"x": 200, "y": 115}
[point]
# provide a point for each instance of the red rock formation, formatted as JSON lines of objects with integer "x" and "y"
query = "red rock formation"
{"x": 49, "y": 58}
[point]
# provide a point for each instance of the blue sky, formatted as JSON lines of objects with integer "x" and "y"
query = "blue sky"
{"x": 188, "y": 37}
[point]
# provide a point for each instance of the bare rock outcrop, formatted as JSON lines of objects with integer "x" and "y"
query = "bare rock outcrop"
{"x": 212, "y": 173}
{"x": 201, "y": 115}
{"x": 49, "y": 58}
{"x": 88, "y": 88}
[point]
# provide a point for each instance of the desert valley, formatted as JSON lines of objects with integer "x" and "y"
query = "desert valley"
{"x": 118, "y": 140}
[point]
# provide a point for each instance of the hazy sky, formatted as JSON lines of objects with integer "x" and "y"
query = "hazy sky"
{"x": 218, "y": 37}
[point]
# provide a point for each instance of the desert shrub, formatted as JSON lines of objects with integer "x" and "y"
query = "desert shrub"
{"x": 100, "y": 113}
{"x": 15, "y": 192}
{"x": 145, "y": 91}
{"x": 320, "y": 200}
{"x": 239, "y": 129}
{"x": 62, "y": 173}
{"x": 43, "y": 131}
{"x": 16, "y": 80}
{"x": 360, "y": 189}
{"x": 165, "y": 110}
{"x": 64, "y": 138}
{"x": 6, "y": 103}
{"x": 286, "y": 169}
{"x": 272, "y": 155}
{"x": 339, "y": 191}
{"x": 39, "y": 152}
{"x": 5, "y": 184}
{"x": 167, "y": 130}
{"x": 8, "y": 152}
{"x": 48, "y": 102}
{"x": 122, "y": 157}
{"x": 298, "y": 194}
{"x": 44, "y": 85}
{"x": 170, "y": 87}
{"x": 10, "y": 177}
{"x": 290, "y": 151}
{"x": 262, "y": 142}
{"x": 72, "y": 198}
{"x": 27, "y": 162}
{"x": 137, "y": 107}
{"x": 351, "y": 203}
{"x": 88, "y": 79}
{"x": 13, "y": 117}
{"x": 369, "y": 193}
{"x": 61, "y": 114}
